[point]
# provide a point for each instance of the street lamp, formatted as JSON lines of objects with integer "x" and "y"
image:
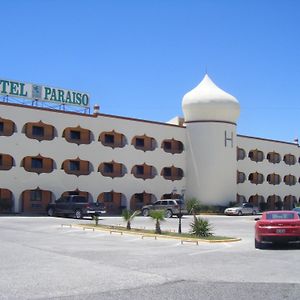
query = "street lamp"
{"x": 181, "y": 200}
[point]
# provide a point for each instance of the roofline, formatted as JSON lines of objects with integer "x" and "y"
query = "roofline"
{"x": 89, "y": 115}
{"x": 267, "y": 140}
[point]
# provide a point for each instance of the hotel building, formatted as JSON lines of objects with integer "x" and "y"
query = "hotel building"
{"x": 127, "y": 162}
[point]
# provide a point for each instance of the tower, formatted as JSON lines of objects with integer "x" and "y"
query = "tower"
{"x": 210, "y": 116}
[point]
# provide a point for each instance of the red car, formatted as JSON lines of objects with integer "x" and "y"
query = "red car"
{"x": 277, "y": 227}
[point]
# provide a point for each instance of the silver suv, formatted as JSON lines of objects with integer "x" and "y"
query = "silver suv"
{"x": 170, "y": 206}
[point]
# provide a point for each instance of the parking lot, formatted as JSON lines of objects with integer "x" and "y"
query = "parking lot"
{"x": 40, "y": 259}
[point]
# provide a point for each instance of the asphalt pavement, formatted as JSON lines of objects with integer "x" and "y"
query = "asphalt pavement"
{"x": 40, "y": 259}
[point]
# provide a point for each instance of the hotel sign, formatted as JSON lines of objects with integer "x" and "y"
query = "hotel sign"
{"x": 43, "y": 93}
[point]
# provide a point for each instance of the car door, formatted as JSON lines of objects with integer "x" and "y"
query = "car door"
{"x": 157, "y": 205}
{"x": 60, "y": 205}
{"x": 247, "y": 208}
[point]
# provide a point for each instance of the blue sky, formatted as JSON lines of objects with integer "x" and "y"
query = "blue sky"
{"x": 138, "y": 58}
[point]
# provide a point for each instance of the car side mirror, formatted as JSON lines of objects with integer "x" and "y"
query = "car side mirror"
{"x": 256, "y": 219}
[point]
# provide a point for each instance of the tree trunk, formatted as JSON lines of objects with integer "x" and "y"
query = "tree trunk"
{"x": 157, "y": 227}
{"x": 128, "y": 225}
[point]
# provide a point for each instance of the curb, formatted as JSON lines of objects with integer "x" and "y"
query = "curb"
{"x": 155, "y": 236}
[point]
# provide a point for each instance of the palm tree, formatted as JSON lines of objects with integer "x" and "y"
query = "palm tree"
{"x": 128, "y": 216}
{"x": 193, "y": 206}
{"x": 157, "y": 215}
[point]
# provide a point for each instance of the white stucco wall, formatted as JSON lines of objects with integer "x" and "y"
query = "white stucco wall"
{"x": 265, "y": 167}
{"x": 211, "y": 166}
{"x": 18, "y": 146}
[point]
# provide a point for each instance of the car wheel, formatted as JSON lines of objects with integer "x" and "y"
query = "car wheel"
{"x": 51, "y": 212}
{"x": 146, "y": 212}
{"x": 78, "y": 214}
{"x": 254, "y": 212}
{"x": 240, "y": 213}
{"x": 168, "y": 213}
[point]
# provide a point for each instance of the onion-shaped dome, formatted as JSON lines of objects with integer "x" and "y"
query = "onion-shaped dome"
{"x": 207, "y": 102}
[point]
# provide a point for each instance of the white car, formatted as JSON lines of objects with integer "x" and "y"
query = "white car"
{"x": 242, "y": 209}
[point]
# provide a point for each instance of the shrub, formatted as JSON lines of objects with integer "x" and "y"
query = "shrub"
{"x": 201, "y": 227}
{"x": 128, "y": 216}
{"x": 193, "y": 206}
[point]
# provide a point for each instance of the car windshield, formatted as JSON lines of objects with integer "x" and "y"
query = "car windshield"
{"x": 280, "y": 216}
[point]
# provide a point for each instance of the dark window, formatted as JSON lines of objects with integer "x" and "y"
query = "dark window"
{"x": 108, "y": 168}
{"x": 36, "y": 163}
{"x": 108, "y": 197}
{"x": 280, "y": 216}
{"x": 75, "y": 135}
{"x": 139, "y": 197}
{"x": 1, "y": 159}
{"x": 168, "y": 145}
{"x": 179, "y": 172}
{"x": 37, "y": 131}
{"x": 79, "y": 199}
{"x": 140, "y": 170}
{"x": 1, "y": 126}
{"x": 109, "y": 139}
{"x": 167, "y": 172}
{"x": 36, "y": 195}
{"x": 140, "y": 142}
{"x": 74, "y": 165}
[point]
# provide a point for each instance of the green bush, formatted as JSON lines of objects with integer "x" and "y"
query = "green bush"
{"x": 212, "y": 208}
{"x": 193, "y": 206}
{"x": 201, "y": 227}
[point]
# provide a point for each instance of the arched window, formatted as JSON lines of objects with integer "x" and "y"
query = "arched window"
{"x": 289, "y": 159}
{"x": 240, "y": 198}
{"x": 77, "y": 135}
{"x": 274, "y": 179}
{"x": 39, "y": 131}
{"x": 112, "y": 201}
{"x": 274, "y": 202}
{"x": 37, "y": 164}
{"x": 240, "y": 177}
{"x": 257, "y": 200}
{"x": 256, "y": 155}
{"x": 77, "y": 167}
{"x": 273, "y": 157}
{"x": 112, "y": 139}
{"x": 289, "y": 202}
{"x": 6, "y": 200}
{"x": 138, "y": 200}
{"x": 144, "y": 171}
{"x": 172, "y": 173}
{"x": 35, "y": 200}
{"x": 6, "y": 161}
{"x": 289, "y": 179}
{"x": 7, "y": 127}
{"x": 112, "y": 169}
{"x": 77, "y": 192}
{"x": 240, "y": 153}
{"x": 172, "y": 146}
{"x": 256, "y": 178}
{"x": 144, "y": 143}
